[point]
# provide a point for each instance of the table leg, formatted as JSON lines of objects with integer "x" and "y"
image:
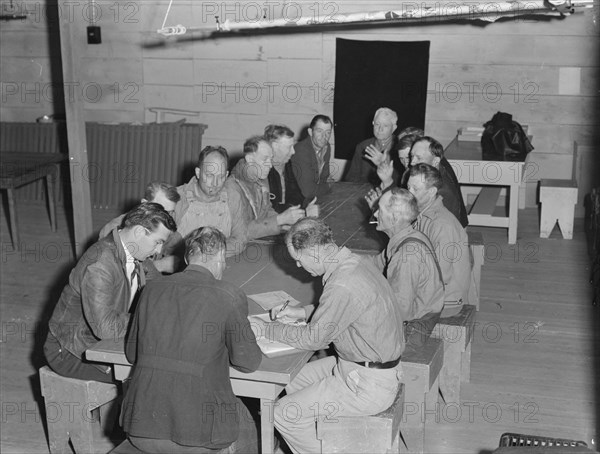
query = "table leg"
{"x": 267, "y": 429}
{"x": 513, "y": 213}
{"x": 51, "y": 199}
{"x": 12, "y": 213}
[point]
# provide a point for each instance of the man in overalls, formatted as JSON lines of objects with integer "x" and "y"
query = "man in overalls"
{"x": 205, "y": 202}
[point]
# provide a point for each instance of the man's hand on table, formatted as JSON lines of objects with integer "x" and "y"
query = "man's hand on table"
{"x": 289, "y": 314}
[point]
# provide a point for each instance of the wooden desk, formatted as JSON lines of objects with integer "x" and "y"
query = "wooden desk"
{"x": 465, "y": 158}
{"x": 18, "y": 169}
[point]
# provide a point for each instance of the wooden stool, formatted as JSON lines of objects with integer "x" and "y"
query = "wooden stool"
{"x": 477, "y": 247}
{"x": 363, "y": 434}
{"x": 421, "y": 383}
{"x": 457, "y": 334}
{"x": 558, "y": 199}
{"x": 69, "y": 404}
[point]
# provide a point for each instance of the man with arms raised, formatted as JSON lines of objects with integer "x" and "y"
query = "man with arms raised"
{"x": 410, "y": 266}
{"x": 96, "y": 302}
{"x": 371, "y": 152}
{"x": 358, "y": 314}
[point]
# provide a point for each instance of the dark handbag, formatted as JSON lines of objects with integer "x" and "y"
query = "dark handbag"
{"x": 504, "y": 139}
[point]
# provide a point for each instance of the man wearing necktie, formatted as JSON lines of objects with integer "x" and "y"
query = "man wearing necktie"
{"x": 97, "y": 301}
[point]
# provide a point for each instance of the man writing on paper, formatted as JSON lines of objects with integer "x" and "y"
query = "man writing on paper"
{"x": 358, "y": 314}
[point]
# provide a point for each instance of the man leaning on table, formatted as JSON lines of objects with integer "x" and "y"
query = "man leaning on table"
{"x": 96, "y": 302}
{"x": 188, "y": 329}
{"x": 357, "y": 313}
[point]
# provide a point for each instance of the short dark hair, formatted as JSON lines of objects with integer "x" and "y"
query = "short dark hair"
{"x": 309, "y": 232}
{"x": 212, "y": 149}
{"x": 157, "y": 186}
{"x": 435, "y": 148}
{"x": 411, "y": 130}
{"x": 276, "y": 132}
{"x": 149, "y": 215}
{"x": 251, "y": 144}
{"x": 406, "y": 141}
{"x": 431, "y": 176}
{"x": 320, "y": 117}
{"x": 205, "y": 241}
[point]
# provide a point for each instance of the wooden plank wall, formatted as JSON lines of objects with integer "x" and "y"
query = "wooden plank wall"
{"x": 543, "y": 72}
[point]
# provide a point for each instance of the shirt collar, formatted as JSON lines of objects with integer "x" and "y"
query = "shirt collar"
{"x": 334, "y": 262}
{"x": 128, "y": 257}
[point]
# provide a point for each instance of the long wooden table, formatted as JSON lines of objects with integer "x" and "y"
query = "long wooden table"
{"x": 266, "y": 266}
{"x": 18, "y": 169}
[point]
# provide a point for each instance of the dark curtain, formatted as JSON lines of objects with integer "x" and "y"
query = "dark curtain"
{"x": 373, "y": 74}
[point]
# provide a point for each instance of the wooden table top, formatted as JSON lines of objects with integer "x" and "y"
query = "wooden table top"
{"x": 266, "y": 266}
{"x": 18, "y": 168}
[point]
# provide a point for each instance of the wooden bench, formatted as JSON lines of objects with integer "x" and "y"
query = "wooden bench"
{"x": 70, "y": 412}
{"x": 126, "y": 448}
{"x": 421, "y": 383}
{"x": 363, "y": 434}
{"x": 457, "y": 335}
{"x": 558, "y": 199}
{"x": 477, "y": 247}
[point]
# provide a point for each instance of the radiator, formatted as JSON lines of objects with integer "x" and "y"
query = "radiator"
{"x": 122, "y": 158}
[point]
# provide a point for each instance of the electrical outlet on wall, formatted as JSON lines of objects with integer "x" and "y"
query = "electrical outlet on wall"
{"x": 94, "y": 36}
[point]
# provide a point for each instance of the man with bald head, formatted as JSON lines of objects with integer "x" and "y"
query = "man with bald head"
{"x": 427, "y": 150}
{"x": 410, "y": 266}
{"x": 371, "y": 152}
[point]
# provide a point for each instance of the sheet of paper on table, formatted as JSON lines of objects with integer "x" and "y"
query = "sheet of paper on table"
{"x": 267, "y": 301}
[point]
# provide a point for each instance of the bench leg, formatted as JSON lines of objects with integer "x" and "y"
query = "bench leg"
{"x": 465, "y": 365}
{"x": 565, "y": 220}
{"x": 12, "y": 212}
{"x": 450, "y": 373}
{"x": 58, "y": 435}
{"x": 546, "y": 223}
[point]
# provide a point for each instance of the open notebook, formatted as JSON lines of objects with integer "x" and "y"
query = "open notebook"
{"x": 267, "y": 301}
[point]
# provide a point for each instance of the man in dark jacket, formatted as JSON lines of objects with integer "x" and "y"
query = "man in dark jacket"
{"x": 427, "y": 150}
{"x": 188, "y": 329}
{"x": 310, "y": 162}
{"x": 96, "y": 302}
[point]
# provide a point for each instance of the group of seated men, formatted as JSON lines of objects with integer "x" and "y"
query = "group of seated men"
{"x": 185, "y": 329}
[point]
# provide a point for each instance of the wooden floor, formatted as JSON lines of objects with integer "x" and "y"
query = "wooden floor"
{"x": 535, "y": 363}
